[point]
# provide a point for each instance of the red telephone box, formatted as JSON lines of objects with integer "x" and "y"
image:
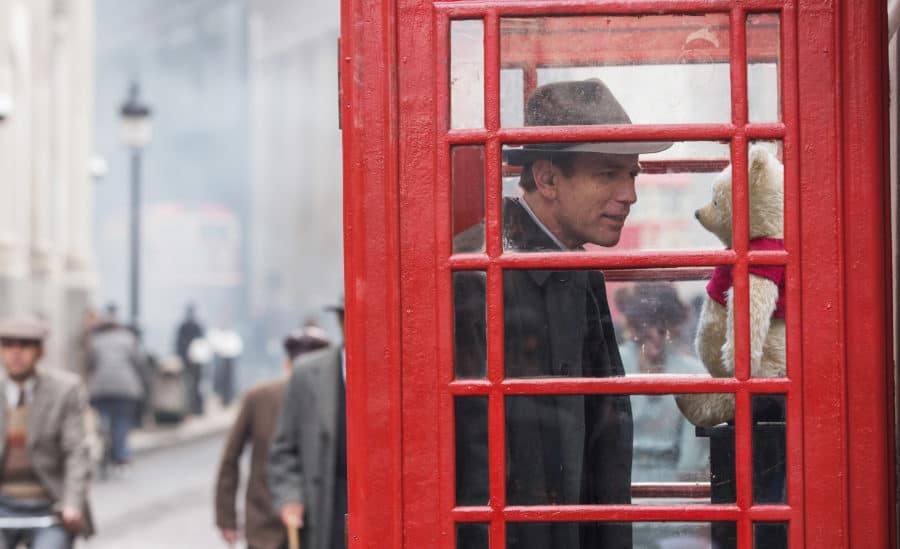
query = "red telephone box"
{"x": 432, "y": 95}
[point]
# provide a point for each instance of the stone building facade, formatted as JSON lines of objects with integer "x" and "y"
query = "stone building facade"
{"x": 46, "y": 146}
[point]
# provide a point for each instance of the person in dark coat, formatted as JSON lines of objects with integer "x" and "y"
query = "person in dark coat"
{"x": 307, "y": 471}
{"x": 255, "y": 424}
{"x": 189, "y": 330}
{"x": 561, "y": 449}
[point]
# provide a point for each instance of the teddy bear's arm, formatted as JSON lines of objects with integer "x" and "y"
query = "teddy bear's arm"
{"x": 763, "y": 299}
{"x": 711, "y": 337}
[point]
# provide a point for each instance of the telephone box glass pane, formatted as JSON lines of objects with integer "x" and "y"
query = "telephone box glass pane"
{"x": 639, "y": 535}
{"x": 769, "y": 449}
{"x": 656, "y": 320}
{"x": 472, "y": 479}
{"x": 767, "y": 282}
{"x": 770, "y": 535}
{"x": 556, "y": 199}
{"x": 660, "y": 68}
{"x": 512, "y": 107}
{"x": 561, "y": 323}
{"x": 764, "y": 67}
{"x": 604, "y": 449}
{"x": 467, "y": 74}
{"x": 467, "y": 187}
{"x": 469, "y": 335}
{"x": 471, "y": 535}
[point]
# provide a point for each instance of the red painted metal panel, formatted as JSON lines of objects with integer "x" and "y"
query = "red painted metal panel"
{"x": 792, "y": 201}
{"x": 421, "y": 182}
{"x": 865, "y": 183}
{"x": 821, "y": 223}
{"x": 634, "y": 132}
{"x": 371, "y": 249}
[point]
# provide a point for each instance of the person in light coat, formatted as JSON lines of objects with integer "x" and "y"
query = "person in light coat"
{"x": 115, "y": 380}
{"x": 44, "y": 463}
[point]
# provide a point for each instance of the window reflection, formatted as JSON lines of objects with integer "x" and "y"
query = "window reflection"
{"x": 656, "y": 323}
{"x": 472, "y": 535}
{"x": 467, "y": 74}
{"x": 646, "y": 535}
{"x": 769, "y": 449}
{"x": 663, "y": 68}
{"x": 469, "y": 332}
{"x": 467, "y": 185}
{"x": 764, "y": 67}
{"x": 666, "y": 446}
{"x": 770, "y": 535}
{"x": 472, "y": 486}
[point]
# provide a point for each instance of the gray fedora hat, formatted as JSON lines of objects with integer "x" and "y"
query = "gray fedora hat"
{"x": 577, "y": 103}
{"x": 23, "y": 327}
{"x": 337, "y": 307}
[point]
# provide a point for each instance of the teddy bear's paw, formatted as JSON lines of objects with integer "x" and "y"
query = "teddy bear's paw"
{"x": 706, "y": 410}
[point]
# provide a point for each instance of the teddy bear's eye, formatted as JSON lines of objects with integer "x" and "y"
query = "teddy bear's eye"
{"x": 716, "y": 203}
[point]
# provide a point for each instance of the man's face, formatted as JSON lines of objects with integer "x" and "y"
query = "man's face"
{"x": 651, "y": 340}
{"x": 20, "y": 357}
{"x": 591, "y": 205}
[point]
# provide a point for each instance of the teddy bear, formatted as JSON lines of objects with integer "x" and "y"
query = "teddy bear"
{"x": 715, "y": 330}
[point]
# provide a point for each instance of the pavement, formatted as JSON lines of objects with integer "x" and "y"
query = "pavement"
{"x": 216, "y": 420}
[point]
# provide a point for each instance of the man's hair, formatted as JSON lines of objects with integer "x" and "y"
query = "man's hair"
{"x": 36, "y": 343}
{"x": 564, "y": 161}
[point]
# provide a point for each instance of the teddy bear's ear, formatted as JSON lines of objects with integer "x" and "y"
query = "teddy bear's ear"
{"x": 760, "y": 161}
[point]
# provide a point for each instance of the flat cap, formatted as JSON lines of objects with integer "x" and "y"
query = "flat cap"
{"x": 26, "y": 327}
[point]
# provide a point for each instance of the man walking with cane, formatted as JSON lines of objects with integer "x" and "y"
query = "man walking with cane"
{"x": 308, "y": 459}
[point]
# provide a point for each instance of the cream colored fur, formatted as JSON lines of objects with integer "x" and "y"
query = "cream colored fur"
{"x": 715, "y": 330}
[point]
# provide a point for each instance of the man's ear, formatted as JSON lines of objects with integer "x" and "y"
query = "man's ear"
{"x": 542, "y": 170}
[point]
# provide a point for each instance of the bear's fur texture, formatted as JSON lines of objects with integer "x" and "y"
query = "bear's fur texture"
{"x": 715, "y": 330}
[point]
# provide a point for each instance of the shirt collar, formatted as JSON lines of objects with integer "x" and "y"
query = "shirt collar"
{"x": 13, "y": 388}
{"x": 524, "y": 203}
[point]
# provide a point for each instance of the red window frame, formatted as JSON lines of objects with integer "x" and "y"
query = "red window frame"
{"x": 397, "y": 243}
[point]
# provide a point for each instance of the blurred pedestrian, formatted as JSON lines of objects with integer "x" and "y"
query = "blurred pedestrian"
{"x": 116, "y": 380}
{"x": 189, "y": 330}
{"x": 665, "y": 444}
{"x": 307, "y": 470}
{"x": 45, "y": 464}
{"x": 255, "y": 424}
{"x": 227, "y": 347}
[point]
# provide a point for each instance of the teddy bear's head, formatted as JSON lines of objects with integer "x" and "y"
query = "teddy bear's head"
{"x": 766, "y": 184}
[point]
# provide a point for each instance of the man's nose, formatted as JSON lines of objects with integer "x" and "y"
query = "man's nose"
{"x": 629, "y": 194}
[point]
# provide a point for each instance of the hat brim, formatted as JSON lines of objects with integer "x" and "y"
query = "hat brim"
{"x": 518, "y": 157}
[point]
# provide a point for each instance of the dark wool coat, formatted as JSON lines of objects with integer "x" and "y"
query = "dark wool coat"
{"x": 561, "y": 449}
{"x": 303, "y": 454}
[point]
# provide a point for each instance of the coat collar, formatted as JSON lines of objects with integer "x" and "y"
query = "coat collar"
{"x": 326, "y": 377}
{"x": 521, "y": 232}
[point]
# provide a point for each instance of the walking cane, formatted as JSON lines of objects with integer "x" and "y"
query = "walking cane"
{"x": 293, "y": 538}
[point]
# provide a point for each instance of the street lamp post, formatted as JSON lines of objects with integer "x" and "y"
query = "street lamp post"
{"x": 136, "y": 132}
